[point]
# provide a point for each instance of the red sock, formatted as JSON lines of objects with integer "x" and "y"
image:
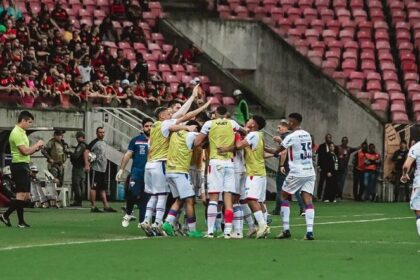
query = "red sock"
{"x": 228, "y": 216}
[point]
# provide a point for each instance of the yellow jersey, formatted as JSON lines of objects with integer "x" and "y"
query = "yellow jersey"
{"x": 254, "y": 154}
{"x": 180, "y": 151}
{"x": 159, "y": 140}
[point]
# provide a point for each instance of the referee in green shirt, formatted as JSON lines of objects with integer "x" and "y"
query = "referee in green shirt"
{"x": 21, "y": 151}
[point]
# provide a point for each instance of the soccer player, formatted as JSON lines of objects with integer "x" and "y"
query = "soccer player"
{"x": 137, "y": 150}
{"x": 179, "y": 157}
{"x": 221, "y": 173}
{"x": 239, "y": 197}
{"x": 413, "y": 156}
{"x": 155, "y": 178}
{"x": 21, "y": 174}
{"x": 301, "y": 176}
{"x": 256, "y": 180}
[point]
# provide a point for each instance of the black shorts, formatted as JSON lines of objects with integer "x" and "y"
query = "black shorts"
{"x": 21, "y": 175}
{"x": 97, "y": 180}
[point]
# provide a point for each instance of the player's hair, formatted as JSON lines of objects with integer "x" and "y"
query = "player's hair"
{"x": 173, "y": 102}
{"x": 158, "y": 111}
{"x": 221, "y": 110}
{"x": 146, "y": 120}
{"x": 194, "y": 122}
{"x": 202, "y": 116}
{"x": 296, "y": 116}
{"x": 260, "y": 121}
{"x": 25, "y": 115}
{"x": 98, "y": 128}
{"x": 403, "y": 141}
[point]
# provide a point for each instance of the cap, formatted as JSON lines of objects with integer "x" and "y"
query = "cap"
{"x": 34, "y": 168}
{"x": 80, "y": 134}
{"x": 283, "y": 121}
{"x": 125, "y": 82}
{"x": 237, "y": 92}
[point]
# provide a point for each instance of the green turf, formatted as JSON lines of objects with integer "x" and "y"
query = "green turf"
{"x": 384, "y": 246}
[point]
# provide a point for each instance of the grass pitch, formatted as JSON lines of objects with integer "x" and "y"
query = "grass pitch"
{"x": 353, "y": 241}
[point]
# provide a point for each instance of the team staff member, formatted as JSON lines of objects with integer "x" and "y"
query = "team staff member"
{"x": 137, "y": 150}
{"x": 21, "y": 174}
{"x": 78, "y": 176}
{"x": 98, "y": 172}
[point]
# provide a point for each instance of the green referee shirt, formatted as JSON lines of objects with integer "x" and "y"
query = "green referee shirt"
{"x": 17, "y": 138}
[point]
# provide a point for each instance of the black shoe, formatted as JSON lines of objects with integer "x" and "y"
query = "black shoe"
{"x": 95, "y": 210}
{"x": 5, "y": 221}
{"x": 284, "y": 235}
{"x": 309, "y": 236}
{"x": 23, "y": 225}
{"x": 110, "y": 210}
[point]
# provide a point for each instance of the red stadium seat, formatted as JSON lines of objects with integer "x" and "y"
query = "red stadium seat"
{"x": 381, "y": 26}
{"x": 276, "y": 13}
{"x": 365, "y": 97}
{"x": 318, "y": 46}
{"x": 329, "y": 67}
{"x": 373, "y": 86}
{"x": 354, "y": 86}
{"x": 310, "y": 14}
{"x": 399, "y": 117}
{"x": 301, "y": 24}
{"x": 348, "y": 66}
{"x": 340, "y": 77}
{"x": 356, "y": 76}
{"x": 368, "y": 66}
{"x": 365, "y": 26}
{"x": 390, "y": 76}
{"x": 318, "y": 25}
{"x": 312, "y": 35}
{"x": 215, "y": 90}
{"x": 326, "y": 15}
{"x": 367, "y": 55}
{"x": 373, "y": 76}
{"x": 377, "y": 14}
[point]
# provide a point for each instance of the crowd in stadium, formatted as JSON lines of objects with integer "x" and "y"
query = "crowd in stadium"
{"x": 47, "y": 62}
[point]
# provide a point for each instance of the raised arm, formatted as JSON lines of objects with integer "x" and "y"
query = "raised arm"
{"x": 184, "y": 109}
{"x": 194, "y": 113}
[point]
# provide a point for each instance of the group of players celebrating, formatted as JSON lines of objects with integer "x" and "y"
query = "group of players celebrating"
{"x": 188, "y": 155}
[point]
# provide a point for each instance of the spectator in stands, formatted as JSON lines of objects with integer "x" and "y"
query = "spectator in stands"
{"x": 180, "y": 93}
{"x": 242, "y": 111}
{"x": 399, "y": 158}
{"x": 141, "y": 67}
{"x": 190, "y": 54}
{"x": 331, "y": 169}
{"x": 359, "y": 169}
{"x": 86, "y": 70}
{"x": 323, "y": 151}
{"x": 59, "y": 15}
{"x": 140, "y": 94}
{"x": 107, "y": 31}
{"x": 344, "y": 152}
{"x": 11, "y": 10}
{"x": 373, "y": 163}
{"x": 134, "y": 12}
{"x": 174, "y": 57}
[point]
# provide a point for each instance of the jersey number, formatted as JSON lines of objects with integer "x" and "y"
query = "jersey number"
{"x": 306, "y": 151}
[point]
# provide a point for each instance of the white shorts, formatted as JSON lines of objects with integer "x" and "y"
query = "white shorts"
{"x": 221, "y": 176}
{"x": 293, "y": 184}
{"x": 180, "y": 185}
{"x": 195, "y": 177}
{"x": 240, "y": 178}
{"x": 255, "y": 188}
{"x": 155, "y": 178}
{"x": 415, "y": 199}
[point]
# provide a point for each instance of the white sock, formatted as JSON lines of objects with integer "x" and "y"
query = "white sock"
{"x": 418, "y": 224}
{"x": 248, "y": 215}
{"x": 265, "y": 216}
{"x": 259, "y": 216}
{"x": 191, "y": 223}
{"x": 285, "y": 215}
{"x": 211, "y": 216}
{"x": 238, "y": 222}
{"x": 160, "y": 208}
{"x": 309, "y": 217}
{"x": 150, "y": 209}
{"x": 172, "y": 217}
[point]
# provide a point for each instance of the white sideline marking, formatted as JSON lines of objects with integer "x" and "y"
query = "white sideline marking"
{"x": 349, "y": 222}
{"x": 72, "y": 243}
{"x": 363, "y": 242}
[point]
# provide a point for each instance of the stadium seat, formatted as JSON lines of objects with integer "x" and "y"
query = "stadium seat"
{"x": 224, "y": 11}
{"x": 315, "y": 57}
{"x": 340, "y": 77}
{"x": 318, "y": 25}
{"x": 373, "y": 86}
{"x": 242, "y": 12}
{"x": 186, "y": 79}
{"x": 310, "y": 14}
{"x": 365, "y": 97}
{"x": 398, "y": 108}
{"x": 276, "y": 13}
{"x": 329, "y": 67}
{"x": 377, "y": 14}
{"x": 354, "y": 86}
{"x": 329, "y": 35}
{"x": 390, "y": 76}
{"x": 373, "y": 76}
{"x": 356, "y": 76}
{"x": 348, "y": 66}
{"x": 215, "y": 90}
{"x": 155, "y": 8}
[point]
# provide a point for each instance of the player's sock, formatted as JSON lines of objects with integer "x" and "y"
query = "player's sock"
{"x": 418, "y": 224}
{"x": 238, "y": 222}
{"x": 265, "y": 214}
{"x": 20, "y": 211}
{"x": 285, "y": 214}
{"x": 248, "y": 215}
{"x": 309, "y": 217}
{"x": 12, "y": 208}
{"x": 142, "y": 206}
{"x": 171, "y": 218}
{"x": 192, "y": 225}
{"x": 160, "y": 208}
{"x": 259, "y": 216}
{"x": 218, "y": 223}
{"x": 228, "y": 221}
{"x": 129, "y": 205}
{"x": 211, "y": 216}
{"x": 150, "y": 209}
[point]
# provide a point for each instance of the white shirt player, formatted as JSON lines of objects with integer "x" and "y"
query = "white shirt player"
{"x": 207, "y": 126}
{"x": 299, "y": 148}
{"x": 414, "y": 153}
